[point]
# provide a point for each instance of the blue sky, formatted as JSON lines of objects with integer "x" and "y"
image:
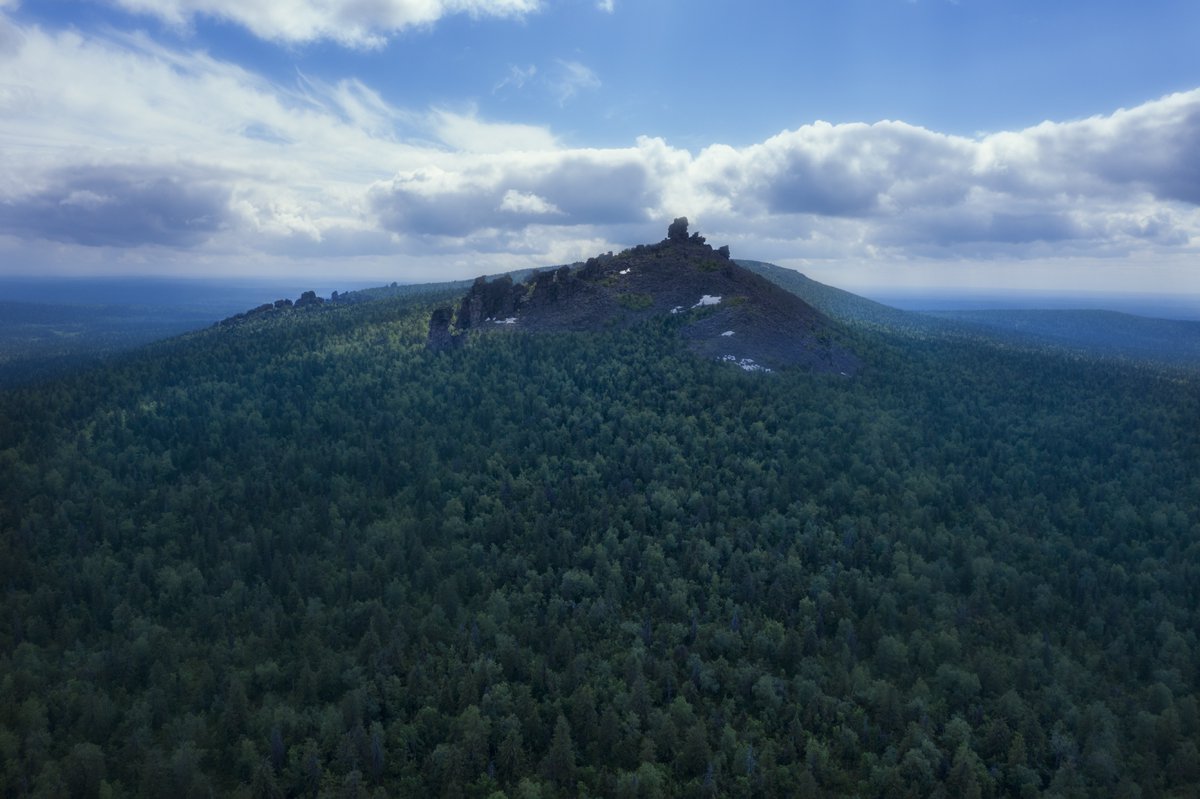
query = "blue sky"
{"x": 868, "y": 143}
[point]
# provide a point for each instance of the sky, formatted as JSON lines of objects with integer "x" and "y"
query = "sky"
{"x": 970, "y": 144}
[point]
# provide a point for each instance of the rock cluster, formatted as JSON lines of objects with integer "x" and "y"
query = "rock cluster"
{"x": 682, "y": 277}
{"x": 488, "y": 300}
{"x": 308, "y": 299}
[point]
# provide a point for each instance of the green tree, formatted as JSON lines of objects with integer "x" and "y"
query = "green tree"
{"x": 559, "y": 765}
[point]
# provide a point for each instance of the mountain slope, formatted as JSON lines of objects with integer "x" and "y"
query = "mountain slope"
{"x": 305, "y": 555}
{"x": 721, "y": 310}
{"x": 1096, "y": 334}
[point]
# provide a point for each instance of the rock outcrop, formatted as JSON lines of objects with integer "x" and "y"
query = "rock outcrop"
{"x": 488, "y": 300}
{"x": 724, "y": 311}
{"x": 440, "y": 338}
{"x": 308, "y": 299}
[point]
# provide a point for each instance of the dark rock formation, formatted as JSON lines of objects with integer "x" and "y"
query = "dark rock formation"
{"x": 440, "y": 337}
{"x": 309, "y": 298}
{"x": 487, "y": 301}
{"x": 677, "y": 230}
{"x": 723, "y": 311}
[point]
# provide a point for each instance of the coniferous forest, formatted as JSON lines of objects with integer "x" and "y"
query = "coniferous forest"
{"x": 303, "y": 556}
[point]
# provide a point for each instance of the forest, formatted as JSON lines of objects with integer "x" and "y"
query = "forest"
{"x": 303, "y": 556}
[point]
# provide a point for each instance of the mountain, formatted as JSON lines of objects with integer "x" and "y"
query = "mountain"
{"x": 838, "y": 304}
{"x": 306, "y": 554}
{"x": 1086, "y": 333}
{"x": 1090, "y": 332}
{"x": 724, "y": 311}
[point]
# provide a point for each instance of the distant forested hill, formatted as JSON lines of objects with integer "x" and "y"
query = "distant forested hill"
{"x": 302, "y": 555}
{"x": 848, "y": 307}
{"x": 50, "y": 327}
{"x": 1091, "y": 333}
{"x": 38, "y": 340}
{"x": 1102, "y": 333}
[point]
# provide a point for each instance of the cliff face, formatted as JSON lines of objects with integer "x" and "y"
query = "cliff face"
{"x": 726, "y": 312}
{"x": 486, "y": 301}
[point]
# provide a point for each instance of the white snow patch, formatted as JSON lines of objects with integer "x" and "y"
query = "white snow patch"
{"x": 708, "y": 299}
{"x": 677, "y": 309}
{"x": 747, "y": 364}
{"x": 625, "y": 271}
{"x": 727, "y": 333}
{"x": 512, "y": 320}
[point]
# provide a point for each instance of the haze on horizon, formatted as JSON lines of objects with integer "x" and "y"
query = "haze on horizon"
{"x": 869, "y": 143}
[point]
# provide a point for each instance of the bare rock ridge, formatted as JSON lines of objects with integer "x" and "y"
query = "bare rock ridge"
{"x": 308, "y": 299}
{"x": 726, "y": 311}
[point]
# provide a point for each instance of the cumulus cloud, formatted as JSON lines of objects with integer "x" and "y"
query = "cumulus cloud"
{"x": 883, "y": 190}
{"x": 511, "y": 190}
{"x": 353, "y": 23}
{"x": 468, "y": 133}
{"x": 118, "y": 206}
{"x": 1150, "y": 148}
{"x": 289, "y": 160}
{"x": 850, "y": 170}
{"x": 116, "y": 142}
{"x": 1075, "y": 181}
{"x": 521, "y": 203}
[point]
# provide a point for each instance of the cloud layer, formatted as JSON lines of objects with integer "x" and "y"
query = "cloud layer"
{"x": 116, "y": 144}
{"x": 352, "y": 23}
{"x": 119, "y": 207}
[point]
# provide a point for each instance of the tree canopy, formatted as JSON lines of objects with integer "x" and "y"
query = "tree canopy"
{"x": 304, "y": 556}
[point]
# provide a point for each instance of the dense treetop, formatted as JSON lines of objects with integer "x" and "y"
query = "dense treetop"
{"x": 306, "y": 556}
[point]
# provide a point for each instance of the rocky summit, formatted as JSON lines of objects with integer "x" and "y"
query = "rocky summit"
{"x": 725, "y": 311}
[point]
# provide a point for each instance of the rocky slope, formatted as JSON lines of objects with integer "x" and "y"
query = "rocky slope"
{"x": 727, "y": 312}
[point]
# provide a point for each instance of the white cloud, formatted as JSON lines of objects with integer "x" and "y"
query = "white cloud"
{"x": 1107, "y": 184}
{"x": 605, "y": 5}
{"x": 354, "y": 23}
{"x": 523, "y": 203}
{"x": 587, "y": 188}
{"x": 119, "y": 207}
{"x": 572, "y": 78}
{"x": 468, "y": 133}
{"x": 516, "y": 78}
{"x": 115, "y": 147}
{"x": 88, "y": 109}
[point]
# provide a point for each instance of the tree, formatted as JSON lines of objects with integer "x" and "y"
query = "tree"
{"x": 84, "y": 770}
{"x": 694, "y": 756}
{"x": 560, "y": 760}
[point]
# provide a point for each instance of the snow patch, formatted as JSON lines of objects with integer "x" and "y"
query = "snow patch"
{"x": 708, "y": 299}
{"x": 625, "y": 271}
{"x": 512, "y": 320}
{"x": 677, "y": 309}
{"x": 727, "y": 333}
{"x": 746, "y": 364}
